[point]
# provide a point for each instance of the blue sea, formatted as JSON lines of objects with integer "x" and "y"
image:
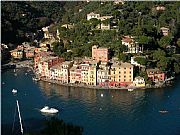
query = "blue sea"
{"x": 99, "y": 112}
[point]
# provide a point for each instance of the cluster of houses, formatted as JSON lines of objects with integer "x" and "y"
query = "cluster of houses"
{"x": 97, "y": 70}
{"x": 25, "y": 51}
{"x": 102, "y": 26}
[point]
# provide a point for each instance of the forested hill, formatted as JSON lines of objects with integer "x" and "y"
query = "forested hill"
{"x": 20, "y": 18}
{"x": 133, "y": 18}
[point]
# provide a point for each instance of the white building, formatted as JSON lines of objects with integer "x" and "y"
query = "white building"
{"x": 92, "y": 15}
{"x": 139, "y": 81}
{"x": 133, "y": 47}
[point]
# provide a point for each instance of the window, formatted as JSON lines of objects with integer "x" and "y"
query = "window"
{"x": 124, "y": 72}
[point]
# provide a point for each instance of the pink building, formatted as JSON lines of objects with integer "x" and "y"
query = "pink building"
{"x": 46, "y": 63}
{"x": 155, "y": 75}
{"x": 100, "y": 54}
{"x": 38, "y": 57}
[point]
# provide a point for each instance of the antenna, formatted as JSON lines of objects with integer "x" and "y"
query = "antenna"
{"x": 19, "y": 117}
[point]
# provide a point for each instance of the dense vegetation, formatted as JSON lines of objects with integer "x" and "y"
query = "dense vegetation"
{"x": 55, "y": 126}
{"x": 138, "y": 19}
{"x": 22, "y": 19}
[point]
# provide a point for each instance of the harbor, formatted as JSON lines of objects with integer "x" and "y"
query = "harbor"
{"x": 91, "y": 108}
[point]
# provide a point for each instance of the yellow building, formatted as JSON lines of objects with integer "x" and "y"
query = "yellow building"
{"x": 139, "y": 82}
{"x": 92, "y": 73}
{"x": 17, "y": 53}
{"x": 121, "y": 72}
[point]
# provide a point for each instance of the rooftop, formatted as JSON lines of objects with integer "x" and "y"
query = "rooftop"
{"x": 153, "y": 70}
{"x": 128, "y": 39}
{"x": 125, "y": 64}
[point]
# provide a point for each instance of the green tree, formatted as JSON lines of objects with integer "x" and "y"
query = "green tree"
{"x": 141, "y": 60}
{"x": 176, "y": 68}
{"x": 165, "y": 41}
{"x": 158, "y": 54}
{"x": 58, "y": 48}
{"x": 122, "y": 57}
{"x": 163, "y": 63}
{"x": 178, "y": 42}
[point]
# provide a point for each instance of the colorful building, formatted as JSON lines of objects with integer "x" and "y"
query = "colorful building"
{"x": 60, "y": 72}
{"x": 92, "y": 73}
{"x": 121, "y": 74}
{"x": 100, "y": 54}
{"x": 38, "y": 57}
{"x": 155, "y": 75}
{"x": 75, "y": 74}
{"x": 46, "y": 63}
{"x": 17, "y": 53}
{"x": 139, "y": 82}
{"x": 29, "y": 53}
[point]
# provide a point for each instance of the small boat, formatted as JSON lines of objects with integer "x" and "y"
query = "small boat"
{"x": 35, "y": 79}
{"x": 14, "y": 91}
{"x": 130, "y": 89}
{"x": 25, "y": 73}
{"x": 46, "y": 109}
{"x": 15, "y": 74}
{"x": 102, "y": 95}
{"x": 163, "y": 111}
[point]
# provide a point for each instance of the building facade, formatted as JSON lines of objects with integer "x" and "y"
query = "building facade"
{"x": 92, "y": 15}
{"x": 100, "y": 54}
{"x": 132, "y": 46}
{"x": 139, "y": 82}
{"x": 155, "y": 75}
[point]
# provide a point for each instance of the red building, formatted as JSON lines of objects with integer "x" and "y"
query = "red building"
{"x": 155, "y": 75}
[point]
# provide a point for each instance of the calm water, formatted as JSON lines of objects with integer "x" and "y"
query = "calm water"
{"x": 116, "y": 113}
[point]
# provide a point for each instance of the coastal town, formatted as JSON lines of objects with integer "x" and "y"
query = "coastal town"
{"x": 101, "y": 69}
{"x": 90, "y": 67}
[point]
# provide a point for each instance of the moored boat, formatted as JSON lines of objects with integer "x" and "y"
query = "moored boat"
{"x": 130, "y": 89}
{"x": 163, "y": 111}
{"x": 46, "y": 109}
{"x": 14, "y": 91}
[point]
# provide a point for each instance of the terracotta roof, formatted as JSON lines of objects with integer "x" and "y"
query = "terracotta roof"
{"x": 127, "y": 39}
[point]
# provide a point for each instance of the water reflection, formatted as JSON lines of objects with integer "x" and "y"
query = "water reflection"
{"x": 119, "y": 99}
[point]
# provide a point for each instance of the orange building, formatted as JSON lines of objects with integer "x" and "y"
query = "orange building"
{"x": 100, "y": 54}
{"x": 38, "y": 56}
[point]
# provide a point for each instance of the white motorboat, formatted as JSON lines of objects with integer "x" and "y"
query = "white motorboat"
{"x": 46, "y": 109}
{"x": 14, "y": 91}
{"x": 163, "y": 111}
{"x": 130, "y": 89}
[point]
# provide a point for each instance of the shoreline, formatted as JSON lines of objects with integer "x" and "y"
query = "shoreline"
{"x": 97, "y": 87}
{"x": 29, "y": 64}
